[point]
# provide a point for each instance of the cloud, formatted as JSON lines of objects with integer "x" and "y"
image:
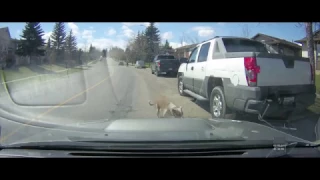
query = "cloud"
{"x": 87, "y": 34}
{"x": 221, "y": 24}
{"x": 74, "y": 28}
{"x": 167, "y": 35}
{"x": 103, "y": 43}
{"x": 46, "y": 36}
{"x": 139, "y": 24}
{"x": 203, "y": 31}
{"x": 127, "y": 32}
{"x": 111, "y": 32}
{"x": 176, "y": 44}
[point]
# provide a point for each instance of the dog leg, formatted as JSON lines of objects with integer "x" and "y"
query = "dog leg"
{"x": 158, "y": 113}
{"x": 164, "y": 112}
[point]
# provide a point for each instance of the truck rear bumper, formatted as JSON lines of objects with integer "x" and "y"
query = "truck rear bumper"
{"x": 252, "y": 99}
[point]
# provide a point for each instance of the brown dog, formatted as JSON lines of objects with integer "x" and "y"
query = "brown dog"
{"x": 162, "y": 104}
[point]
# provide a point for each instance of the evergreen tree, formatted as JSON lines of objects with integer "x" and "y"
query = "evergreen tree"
{"x": 49, "y": 44}
{"x": 167, "y": 45}
{"x": 91, "y": 49}
{"x": 153, "y": 40}
{"x": 71, "y": 43}
{"x": 58, "y": 36}
{"x": 31, "y": 40}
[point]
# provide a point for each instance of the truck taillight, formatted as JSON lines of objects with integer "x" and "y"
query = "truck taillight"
{"x": 252, "y": 70}
{"x": 159, "y": 64}
{"x": 312, "y": 74}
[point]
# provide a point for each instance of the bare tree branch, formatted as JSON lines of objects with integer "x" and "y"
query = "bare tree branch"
{"x": 246, "y": 32}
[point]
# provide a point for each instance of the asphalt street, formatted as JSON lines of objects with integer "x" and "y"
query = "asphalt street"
{"x": 105, "y": 90}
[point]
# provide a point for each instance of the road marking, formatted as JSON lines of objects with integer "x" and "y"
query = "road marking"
{"x": 54, "y": 107}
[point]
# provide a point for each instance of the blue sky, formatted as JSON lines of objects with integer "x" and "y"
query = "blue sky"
{"x": 105, "y": 35}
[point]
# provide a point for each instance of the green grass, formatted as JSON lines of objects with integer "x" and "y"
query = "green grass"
{"x": 53, "y": 67}
{"x": 317, "y": 81}
{"x": 316, "y": 106}
{"x": 22, "y": 72}
{"x": 35, "y": 78}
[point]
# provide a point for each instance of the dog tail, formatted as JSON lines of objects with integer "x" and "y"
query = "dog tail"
{"x": 150, "y": 103}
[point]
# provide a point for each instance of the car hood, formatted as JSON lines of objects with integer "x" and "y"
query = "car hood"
{"x": 160, "y": 129}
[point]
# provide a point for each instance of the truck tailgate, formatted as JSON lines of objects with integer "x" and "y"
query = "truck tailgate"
{"x": 279, "y": 70}
{"x": 166, "y": 64}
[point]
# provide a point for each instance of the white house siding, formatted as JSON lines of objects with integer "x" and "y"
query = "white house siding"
{"x": 305, "y": 50}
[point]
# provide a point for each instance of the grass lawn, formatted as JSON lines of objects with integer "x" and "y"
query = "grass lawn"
{"x": 22, "y": 72}
{"x": 53, "y": 67}
{"x": 12, "y": 76}
{"x": 316, "y": 107}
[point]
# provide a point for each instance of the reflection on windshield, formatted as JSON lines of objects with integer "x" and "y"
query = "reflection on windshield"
{"x": 90, "y": 75}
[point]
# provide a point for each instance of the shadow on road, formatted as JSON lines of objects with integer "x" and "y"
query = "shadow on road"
{"x": 301, "y": 124}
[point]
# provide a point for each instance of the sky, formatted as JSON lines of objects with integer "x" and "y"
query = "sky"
{"x": 106, "y": 35}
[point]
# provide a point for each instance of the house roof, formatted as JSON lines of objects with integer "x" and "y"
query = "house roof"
{"x": 186, "y": 47}
{"x": 278, "y": 40}
{"x": 316, "y": 37}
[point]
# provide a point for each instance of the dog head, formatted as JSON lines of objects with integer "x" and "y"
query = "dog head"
{"x": 177, "y": 112}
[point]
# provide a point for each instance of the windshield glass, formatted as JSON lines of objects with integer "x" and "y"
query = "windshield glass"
{"x": 138, "y": 77}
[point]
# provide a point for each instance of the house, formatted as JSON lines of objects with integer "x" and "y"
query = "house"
{"x": 184, "y": 51}
{"x": 5, "y": 39}
{"x": 279, "y": 45}
{"x": 316, "y": 39}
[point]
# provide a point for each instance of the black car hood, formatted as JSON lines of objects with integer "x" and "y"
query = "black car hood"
{"x": 159, "y": 129}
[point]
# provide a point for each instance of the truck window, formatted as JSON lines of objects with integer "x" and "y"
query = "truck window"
{"x": 203, "y": 54}
{"x": 243, "y": 45}
{"x": 193, "y": 55}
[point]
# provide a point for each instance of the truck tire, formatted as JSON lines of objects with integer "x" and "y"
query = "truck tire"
{"x": 156, "y": 73}
{"x": 217, "y": 97}
{"x": 181, "y": 86}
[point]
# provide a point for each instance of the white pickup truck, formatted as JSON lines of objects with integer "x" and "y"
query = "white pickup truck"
{"x": 239, "y": 75}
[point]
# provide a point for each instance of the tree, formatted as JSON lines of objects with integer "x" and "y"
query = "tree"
{"x": 91, "y": 49}
{"x": 310, "y": 44}
{"x": 31, "y": 40}
{"x": 246, "y": 31}
{"x": 152, "y": 34}
{"x": 58, "y": 36}
{"x": 71, "y": 43}
{"x": 49, "y": 44}
{"x": 104, "y": 53}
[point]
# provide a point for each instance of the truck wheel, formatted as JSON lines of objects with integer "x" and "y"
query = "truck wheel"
{"x": 218, "y": 107}
{"x": 181, "y": 87}
{"x": 156, "y": 73}
{"x": 152, "y": 72}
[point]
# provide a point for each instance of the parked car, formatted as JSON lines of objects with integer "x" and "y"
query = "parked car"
{"x": 240, "y": 75}
{"x": 121, "y": 63}
{"x": 165, "y": 64}
{"x": 140, "y": 64}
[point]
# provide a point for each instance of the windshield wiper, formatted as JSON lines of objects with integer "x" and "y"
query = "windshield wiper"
{"x": 99, "y": 145}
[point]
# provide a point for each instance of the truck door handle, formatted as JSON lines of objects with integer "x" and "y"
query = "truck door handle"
{"x": 192, "y": 68}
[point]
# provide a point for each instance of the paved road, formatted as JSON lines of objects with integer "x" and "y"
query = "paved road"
{"x": 103, "y": 91}
{"x": 108, "y": 91}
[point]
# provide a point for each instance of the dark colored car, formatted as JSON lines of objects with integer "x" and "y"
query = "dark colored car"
{"x": 165, "y": 64}
{"x": 121, "y": 64}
